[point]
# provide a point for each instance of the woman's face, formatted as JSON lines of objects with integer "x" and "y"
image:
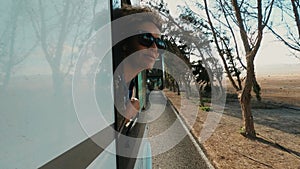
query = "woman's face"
{"x": 143, "y": 56}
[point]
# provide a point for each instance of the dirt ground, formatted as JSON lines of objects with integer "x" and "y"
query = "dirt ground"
{"x": 277, "y": 124}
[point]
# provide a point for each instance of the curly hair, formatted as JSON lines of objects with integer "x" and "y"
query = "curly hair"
{"x": 150, "y": 15}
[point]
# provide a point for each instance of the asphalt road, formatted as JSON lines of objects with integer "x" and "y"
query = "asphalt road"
{"x": 185, "y": 154}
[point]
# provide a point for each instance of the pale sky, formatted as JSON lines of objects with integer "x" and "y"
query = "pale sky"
{"x": 274, "y": 52}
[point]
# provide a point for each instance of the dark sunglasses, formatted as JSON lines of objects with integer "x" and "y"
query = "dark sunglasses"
{"x": 147, "y": 40}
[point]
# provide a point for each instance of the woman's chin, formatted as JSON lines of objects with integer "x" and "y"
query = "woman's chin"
{"x": 150, "y": 66}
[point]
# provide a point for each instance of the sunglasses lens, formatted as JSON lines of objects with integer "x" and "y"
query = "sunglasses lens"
{"x": 160, "y": 44}
{"x": 147, "y": 40}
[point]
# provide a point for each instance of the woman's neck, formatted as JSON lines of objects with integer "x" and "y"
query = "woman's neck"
{"x": 130, "y": 72}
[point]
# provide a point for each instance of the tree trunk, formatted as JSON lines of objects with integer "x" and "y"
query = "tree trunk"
{"x": 12, "y": 38}
{"x": 178, "y": 89}
{"x": 58, "y": 81}
{"x": 200, "y": 95}
{"x": 189, "y": 88}
{"x": 245, "y": 100}
{"x": 6, "y": 78}
{"x": 187, "y": 91}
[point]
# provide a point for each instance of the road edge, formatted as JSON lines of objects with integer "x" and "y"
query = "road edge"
{"x": 191, "y": 135}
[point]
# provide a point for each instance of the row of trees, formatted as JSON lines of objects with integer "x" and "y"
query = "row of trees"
{"x": 15, "y": 44}
{"x": 186, "y": 41}
{"x": 235, "y": 29}
{"x": 55, "y": 30}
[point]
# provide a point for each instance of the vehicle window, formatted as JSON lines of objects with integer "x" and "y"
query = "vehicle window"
{"x": 48, "y": 63}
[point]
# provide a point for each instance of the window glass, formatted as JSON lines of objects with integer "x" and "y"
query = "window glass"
{"x": 42, "y": 105}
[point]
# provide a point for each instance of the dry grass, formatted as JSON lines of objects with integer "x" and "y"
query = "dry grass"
{"x": 277, "y": 121}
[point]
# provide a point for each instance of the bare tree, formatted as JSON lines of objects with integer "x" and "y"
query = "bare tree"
{"x": 62, "y": 27}
{"x": 243, "y": 15}
{"x": 14, "y": 45}
{"x": 230, "y": 61}
{"x": 195, "y": 39}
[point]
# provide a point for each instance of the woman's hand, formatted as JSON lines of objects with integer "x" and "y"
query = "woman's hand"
{"x": 132, "y": 109}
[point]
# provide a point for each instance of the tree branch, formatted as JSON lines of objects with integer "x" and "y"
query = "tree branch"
{"x": 218, "y": 47}
{"x": 233, "y": 35}
{"x": 296, "y": 13}
{"x": 269, "y": 14}
{"x": 241, "y": 26}
{"x": 43, "y": 35}
{"x": 296, "y": 48}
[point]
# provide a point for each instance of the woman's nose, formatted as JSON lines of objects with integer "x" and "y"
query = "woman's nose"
{"x": 154, "y": 47}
